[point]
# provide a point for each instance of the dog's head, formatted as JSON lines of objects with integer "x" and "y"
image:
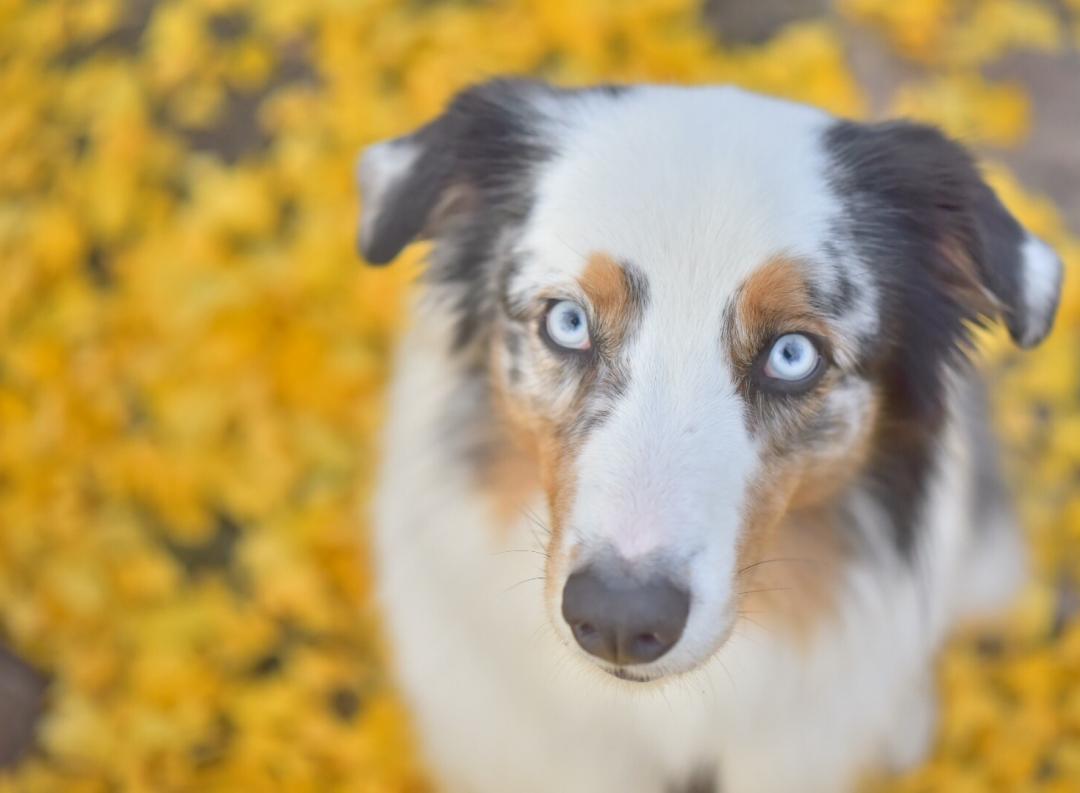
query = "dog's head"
{"x": 701, "y": 315}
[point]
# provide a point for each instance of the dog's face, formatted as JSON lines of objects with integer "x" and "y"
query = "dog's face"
{"x": 700, "y": 314}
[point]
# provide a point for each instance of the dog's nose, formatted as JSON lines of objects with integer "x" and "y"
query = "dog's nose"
{"x": 623, "y": 620}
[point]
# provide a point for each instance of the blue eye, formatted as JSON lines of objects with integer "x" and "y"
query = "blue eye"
{"x": 567, "y": 325}
{"x": 793, "y": 359}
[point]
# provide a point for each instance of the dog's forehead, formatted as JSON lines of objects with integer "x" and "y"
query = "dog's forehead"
{"x": 697, "y": 188}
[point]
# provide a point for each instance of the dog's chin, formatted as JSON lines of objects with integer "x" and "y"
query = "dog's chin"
{"x": 645, "y": 674}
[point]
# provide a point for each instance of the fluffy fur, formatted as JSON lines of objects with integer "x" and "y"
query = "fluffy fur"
{"x": 828, "y": 538}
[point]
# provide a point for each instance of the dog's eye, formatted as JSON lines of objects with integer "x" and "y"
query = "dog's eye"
{"x": 567, "y": 326}
{"x": 793, "y": 363}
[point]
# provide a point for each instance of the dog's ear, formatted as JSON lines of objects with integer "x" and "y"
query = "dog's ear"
{"x": 926, "y": 190}
{"x": 1021, "y": 271}
{"x": 468, "y": 160}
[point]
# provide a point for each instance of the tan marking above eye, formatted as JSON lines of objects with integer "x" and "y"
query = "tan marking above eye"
{"x": 774, "y": 300}
{"x": 607, "y": 285}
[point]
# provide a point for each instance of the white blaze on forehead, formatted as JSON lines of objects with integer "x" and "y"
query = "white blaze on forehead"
{"x": 695, "y": 186}
{"x": 666, "y": 472}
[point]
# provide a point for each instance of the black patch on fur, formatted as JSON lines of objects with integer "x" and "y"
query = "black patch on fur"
{"x": 24, "y": 692}
{"x": 467, "y": 418}
{"x": 495, "y": 153}
{"x": 818, "y": 432}
{"x": 472, "y": 180}
{"x": 471, "y": 189}
{"x": 614, "y": 90}
{"x": 507, "y": 274}
{"x": 990, "y": 501}
{"x": 637, "y": 284}
{"x": 482, "y": 142}
{"x": 832, "y": 252}
{"x": 589, "y": 421}
{"x": 843, "y": 299}
{"x": 703, "y": 781}
{"x": 515, "y": 345}
{"x": 842, "y": 296}
{"x": 910, "y": 194}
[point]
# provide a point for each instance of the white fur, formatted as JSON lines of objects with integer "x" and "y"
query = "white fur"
{"x": 1041, "y": 288}
{"x": 381, "y": 166}
{"x": 504, "y": 701}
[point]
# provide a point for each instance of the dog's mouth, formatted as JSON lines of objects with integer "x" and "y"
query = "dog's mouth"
{"x": 623, "y": 673}
{"x": 634, "y": 673}
{"x": 665, "y": 668}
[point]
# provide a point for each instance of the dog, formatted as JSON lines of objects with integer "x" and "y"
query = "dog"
{"x": 687, "y": 475}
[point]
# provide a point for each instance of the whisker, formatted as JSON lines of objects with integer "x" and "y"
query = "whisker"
{"x": 767, "y": 589}
{"x": 570, "y": 247}
{"x": 535, "y": 520}
{"x": 712, "y": 685}
{"x": 744, "y": 635}
{"x": 523, "y": 581}
{"x": 537, "y": 524}
{"x": 537, "y": 540}
{"x": 754, "y": 622}
{"x": 778, "y": 559}
{"x": 520, "y": 550}
{"x": 728, "y": 673}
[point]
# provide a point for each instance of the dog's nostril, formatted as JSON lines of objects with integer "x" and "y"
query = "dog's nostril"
{"x": 623, "y": 620}
{"x": 589, "y": 637}
{"x": 648, "y": 640}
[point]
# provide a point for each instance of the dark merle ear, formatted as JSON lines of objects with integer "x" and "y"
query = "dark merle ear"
{"x": 470, "y": 159}
{"x": 925, "y": 193}
{"x": 1019, "y": 269}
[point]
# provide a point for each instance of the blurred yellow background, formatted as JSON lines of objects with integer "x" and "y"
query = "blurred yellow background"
{"x": 192, "y": 359}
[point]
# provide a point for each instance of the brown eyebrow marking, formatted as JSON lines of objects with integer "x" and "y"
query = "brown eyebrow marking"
{"x": 775, "y": 299}
{"x": 619, "y": 295}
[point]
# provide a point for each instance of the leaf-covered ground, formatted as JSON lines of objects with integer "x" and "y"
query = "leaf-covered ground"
{"x": 192, "y": 360}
